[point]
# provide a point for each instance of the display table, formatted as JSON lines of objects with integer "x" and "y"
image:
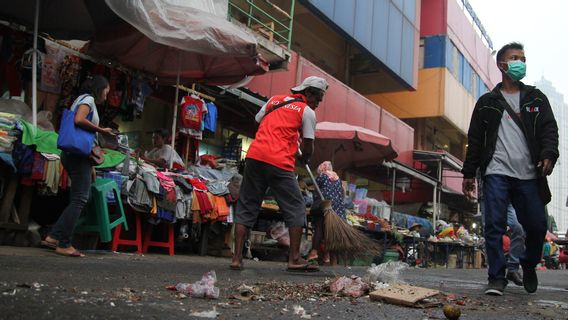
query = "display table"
{"x": 464, "y": 253}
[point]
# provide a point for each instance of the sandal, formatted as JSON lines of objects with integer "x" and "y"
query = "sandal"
{"x": 74, "y": 254}
{"x": 236, "y": 268}
{"x": 308, "y": 267}
{"x": 51, "y": 244}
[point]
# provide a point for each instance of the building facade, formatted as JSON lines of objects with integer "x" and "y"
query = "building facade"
{"x": 558, "y": 183}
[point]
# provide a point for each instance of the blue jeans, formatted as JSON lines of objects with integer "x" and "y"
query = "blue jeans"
{"x": 79, "y": 170}
{"x": 500, "y": 191}
{"x": 517, "y": 239}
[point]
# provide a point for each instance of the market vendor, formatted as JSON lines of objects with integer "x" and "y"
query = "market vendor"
{"x": 160, "y": 154}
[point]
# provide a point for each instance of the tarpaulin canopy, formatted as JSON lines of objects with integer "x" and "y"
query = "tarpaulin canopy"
{"x": 348, "y": 146}
{"x": 169, "y": 36}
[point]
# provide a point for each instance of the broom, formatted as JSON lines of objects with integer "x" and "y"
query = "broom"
{"x": 340, "y": 238}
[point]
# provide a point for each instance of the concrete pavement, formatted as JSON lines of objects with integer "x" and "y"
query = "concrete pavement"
{"x": 37, "y": 284}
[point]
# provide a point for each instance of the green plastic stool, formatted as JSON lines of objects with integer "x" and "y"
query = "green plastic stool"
{"x": 97, "y": 217}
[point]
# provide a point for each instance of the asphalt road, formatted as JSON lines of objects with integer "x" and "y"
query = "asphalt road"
{"x": 37, "y": 284}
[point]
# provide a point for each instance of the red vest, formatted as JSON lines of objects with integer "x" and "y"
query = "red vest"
{"x": 276, "y": 140}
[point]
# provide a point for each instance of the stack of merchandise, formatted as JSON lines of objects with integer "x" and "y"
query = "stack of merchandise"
{"x": 8, "y": 134}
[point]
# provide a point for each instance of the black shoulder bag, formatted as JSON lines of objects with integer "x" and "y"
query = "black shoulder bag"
{"x": 543, "y": 189}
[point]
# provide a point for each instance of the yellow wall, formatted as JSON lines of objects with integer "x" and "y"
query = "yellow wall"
{"x": 426, "y": 101}
{"x": 439, "y": 94}
{"x": 458, "y": 103}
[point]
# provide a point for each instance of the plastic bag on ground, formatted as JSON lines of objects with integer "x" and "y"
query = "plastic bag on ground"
{"x": 279, "y": 232}
{"x": 388, "y": 272}
{"x": 204, "y": 288}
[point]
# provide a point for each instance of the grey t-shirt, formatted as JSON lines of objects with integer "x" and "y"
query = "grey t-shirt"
{"x": 90, "y": 101}
{"x": 308, "y": 120}
{"x": 512, "y": 156}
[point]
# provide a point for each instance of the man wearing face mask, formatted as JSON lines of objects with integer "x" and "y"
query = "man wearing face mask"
{"x": 513, "y": 140}
{"x": 270, "y": 164}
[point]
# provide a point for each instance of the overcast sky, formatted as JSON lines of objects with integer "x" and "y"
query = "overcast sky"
{"x": 540, "y": 25}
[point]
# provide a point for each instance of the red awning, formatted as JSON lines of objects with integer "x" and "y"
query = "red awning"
{"x": 333, "y": 130}
{"x": 348, "y": 146}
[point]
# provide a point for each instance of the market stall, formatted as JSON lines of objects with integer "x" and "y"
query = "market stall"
{"x": 192, "y": 196}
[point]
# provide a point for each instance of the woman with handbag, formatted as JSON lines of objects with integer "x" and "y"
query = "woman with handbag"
{"x": 81, "y": 120}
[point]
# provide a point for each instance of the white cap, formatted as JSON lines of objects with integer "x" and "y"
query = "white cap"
{"x": 313, "y": 81}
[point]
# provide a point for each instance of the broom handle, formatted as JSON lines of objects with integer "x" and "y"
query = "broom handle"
{"x": 312, "y": 177}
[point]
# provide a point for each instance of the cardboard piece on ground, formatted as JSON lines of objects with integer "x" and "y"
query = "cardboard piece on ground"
{"x": 402, "y": 294}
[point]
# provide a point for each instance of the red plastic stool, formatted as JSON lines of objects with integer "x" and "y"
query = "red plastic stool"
{"x": 117, "y": 240}
{"x": 148, "y": 242}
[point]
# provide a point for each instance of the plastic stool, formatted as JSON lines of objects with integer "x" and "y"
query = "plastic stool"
{"x": 97, "y": 218}
{"x": 148, "y": 242}
{"x": 118, "y": 241}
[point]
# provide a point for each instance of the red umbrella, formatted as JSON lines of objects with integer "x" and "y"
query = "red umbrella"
{"x": 348, "y": 146}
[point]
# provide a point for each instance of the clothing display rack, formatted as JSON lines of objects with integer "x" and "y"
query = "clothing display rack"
{"x": 192, "y": 90}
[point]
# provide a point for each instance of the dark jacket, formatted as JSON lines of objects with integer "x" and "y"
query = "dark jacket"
{"x": 541, "y": 130}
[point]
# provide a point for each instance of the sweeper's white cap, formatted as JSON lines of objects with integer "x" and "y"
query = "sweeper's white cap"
{"x": 314, "y": 82}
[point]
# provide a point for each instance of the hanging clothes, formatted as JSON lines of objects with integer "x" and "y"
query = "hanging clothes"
{"x": 166, "y": 182}
{"x": 198, "y": 184}
{"x": 140, "y": 90}
{"x": 210, "y": 119}
{"x": 51, "y": 63}
{"x": 191, "y": 116}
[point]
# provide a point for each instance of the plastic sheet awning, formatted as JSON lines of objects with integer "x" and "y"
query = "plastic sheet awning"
{"x": 164, "y": 38}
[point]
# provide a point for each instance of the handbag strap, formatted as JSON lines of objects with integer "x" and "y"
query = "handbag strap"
{"x": 280, "y": 105}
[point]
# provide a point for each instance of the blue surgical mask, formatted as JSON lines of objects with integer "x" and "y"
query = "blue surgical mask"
{"x": 516, "y": 69}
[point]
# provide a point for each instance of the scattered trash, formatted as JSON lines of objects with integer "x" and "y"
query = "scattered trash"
{"x": 552, "y": 303}
{"x": 247, "y": 293}
{"x": 256, "y": 259}
{"x": 351, "y": 287}
{"x": 287, "y": 291}
{"x": 460, "y": 302}
{"x": 112, "y": 304}
{"x": 211, "y": 314}
{"x": 388, "y": 272}
{"x": 204, "y": 288}
{"x": 9, "y": 292}
{"x": 452, "y": 312}
{"x": 406, "y": 295}
{"x": 379, "y": 285}
{"x": 299, "y": 310}
{"x": 128, "y": 294}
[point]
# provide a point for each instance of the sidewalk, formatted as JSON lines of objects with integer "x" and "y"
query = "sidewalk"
{"x": 37, "y": 284}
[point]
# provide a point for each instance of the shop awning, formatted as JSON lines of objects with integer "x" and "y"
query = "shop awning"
{"x": 448, "y": 160}
{"x": 348, "y": 146}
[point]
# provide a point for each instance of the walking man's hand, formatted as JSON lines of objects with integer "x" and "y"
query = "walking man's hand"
{"x": 468, "y": 186}
{"x": 545, "y": 167}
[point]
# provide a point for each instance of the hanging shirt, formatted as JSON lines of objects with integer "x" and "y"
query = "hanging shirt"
{"x": 191, "y": 113}
{"x": 211, "y": 117}
{"x": 50, "y": 78}
{"x": 276, "y": 140}
{"x": 140, "y": 90}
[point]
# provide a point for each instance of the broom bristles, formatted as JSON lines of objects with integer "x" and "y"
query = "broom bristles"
{"x": 343, "y": 239}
